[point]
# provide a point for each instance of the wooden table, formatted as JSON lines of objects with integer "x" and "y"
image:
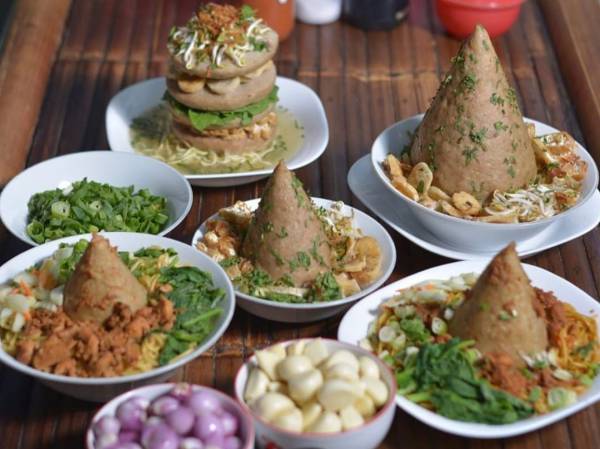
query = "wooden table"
{"x": 62, "y": 62}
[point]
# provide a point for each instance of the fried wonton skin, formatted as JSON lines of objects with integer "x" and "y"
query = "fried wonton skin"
{"x": 499, "y": 314}
{"x": 473, "y": 135}
{"x": 100, "y": 281}
{"x": 286, "y": 237}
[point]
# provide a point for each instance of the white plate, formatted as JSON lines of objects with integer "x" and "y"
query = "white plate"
{"x": 367, "y": 187}
{"x": 298, "y": 98}
{"x": 103, "y": 388}
{"x": 300, "y": 313}
{"x": 117, "y": 169}
{"x": 353, "y": 328}
{"x": 465, "y": 234}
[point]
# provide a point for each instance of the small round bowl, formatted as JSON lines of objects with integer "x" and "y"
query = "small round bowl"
{"x": 103, "y": 388}
{"x": 117, "y": 169}
{"x": 461, "y": 233}
{"x": 152, "y": 392}
{"x": 367, "y": 436}
{"x": 303, "y": 313}
{"x": 460, "y": 17}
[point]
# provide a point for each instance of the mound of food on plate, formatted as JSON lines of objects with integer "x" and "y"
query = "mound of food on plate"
{"x": 289, "y": 249}
{"x": 474, "y": 157}
{"x": 89, "y": 311}
{"x": 221, "y": 94}
{"x": 305, "y": 387}
{"x": 490, "y": 349}
{"x": 87, "y": 206}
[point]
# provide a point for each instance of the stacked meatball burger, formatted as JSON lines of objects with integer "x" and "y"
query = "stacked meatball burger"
{"x": 221, "y": 83}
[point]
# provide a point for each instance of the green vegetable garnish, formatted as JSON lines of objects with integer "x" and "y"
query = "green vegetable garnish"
{"x": 90, "y": 206}
{"x": 197, "y": 302}
{"x": 66, "y": 266}
{"x": 443, "y": 375}
{"x": 203, "y": 119}
{"x": 250, "y": 282}
{"x": 325, "y": 288}
{"x": 560, "y": 397}
{"x": 415, "y": 330}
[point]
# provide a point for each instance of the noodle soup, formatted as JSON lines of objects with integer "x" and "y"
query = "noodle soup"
{"x": 152, "y": 135}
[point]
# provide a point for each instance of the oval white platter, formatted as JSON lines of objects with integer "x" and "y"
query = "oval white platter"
{"x": 299, "y": 99}
{"x": 300, "y": 313}
{"x": 354, "y": 327}
{"x": 116, "y": 169}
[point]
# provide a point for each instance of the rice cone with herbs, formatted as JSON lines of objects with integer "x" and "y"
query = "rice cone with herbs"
{"x": 473, "y": 136}
{"x": 499, "y": 314}
{"x": 286, "y": 238}
{"x": 100, "y": 281}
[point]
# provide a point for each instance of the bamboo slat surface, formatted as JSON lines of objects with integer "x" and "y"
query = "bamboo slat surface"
{"x": 366, "y": 81}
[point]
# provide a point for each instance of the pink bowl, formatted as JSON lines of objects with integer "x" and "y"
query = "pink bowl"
{"x": 151, "y": 392}
{"x": 460, "y": 17}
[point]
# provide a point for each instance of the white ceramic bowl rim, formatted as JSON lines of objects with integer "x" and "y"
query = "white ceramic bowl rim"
{"x": 391, "y": 400}
{"x": 108, "y": 154}
{"x": 209, "y": 342}
{"x": 324, "y": 304}
{"x": 592, "y": 171}
{"x": 243, "y": 411}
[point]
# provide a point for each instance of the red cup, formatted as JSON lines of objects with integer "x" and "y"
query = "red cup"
{"x": 278, "y": 14}
{"x": 460, "y": 17}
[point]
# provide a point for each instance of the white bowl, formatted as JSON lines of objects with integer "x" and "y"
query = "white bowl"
{"x": 103, "y": 388}
{"x": 302, "y": 313}
{"x": 367, "y": 187}
{"x": 117, "y": 169}
{"x": 457, "y": 231}
{"x": 298, "y": 98}
{"x": 367, "y": 436}
{"x": 152, "y": 392}
{"x": 354, "y": 327}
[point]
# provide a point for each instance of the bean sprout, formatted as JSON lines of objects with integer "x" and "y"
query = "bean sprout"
{"x": 193, "y": 43}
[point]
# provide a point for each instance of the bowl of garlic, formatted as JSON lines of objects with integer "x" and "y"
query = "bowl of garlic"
{"x": 317, "y": 393}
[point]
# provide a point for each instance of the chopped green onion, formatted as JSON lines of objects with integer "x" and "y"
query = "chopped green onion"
{"x": 89, "y": 206}
{"x": 60, "y": 209}
{"x": 438, "y": 326}
{"x": 560, "y": 397}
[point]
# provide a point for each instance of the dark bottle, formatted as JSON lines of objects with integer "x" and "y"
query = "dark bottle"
{"x": 375, "y": 14}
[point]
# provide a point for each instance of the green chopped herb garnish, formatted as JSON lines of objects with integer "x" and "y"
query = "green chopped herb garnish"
{"x": 470, "y": 154}
{"x": 89, "y": 206}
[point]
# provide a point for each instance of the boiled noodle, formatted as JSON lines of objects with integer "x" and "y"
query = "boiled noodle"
{"x": 151, "y": 135}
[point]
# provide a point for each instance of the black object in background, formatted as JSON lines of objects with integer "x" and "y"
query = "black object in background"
{"x": 375, "y": 14}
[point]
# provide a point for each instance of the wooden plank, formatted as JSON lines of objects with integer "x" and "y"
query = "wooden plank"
{"x": 29, "y": 50}
{"x": 367, "y": 81}
{"x": 573, "y": 28}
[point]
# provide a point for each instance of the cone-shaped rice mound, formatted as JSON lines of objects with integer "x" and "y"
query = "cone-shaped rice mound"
{"x": 101, "y": 280}
{"x": 499, "y": 314}
{"x": 473, "y": 135}
{"x": 286, "y": 238}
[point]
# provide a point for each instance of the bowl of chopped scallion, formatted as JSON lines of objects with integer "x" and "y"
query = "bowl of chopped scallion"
{"x": 94, "y": 191}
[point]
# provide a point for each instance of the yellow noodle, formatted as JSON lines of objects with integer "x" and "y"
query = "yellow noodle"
{"x": 150, "y": 351}
{"x": 9, "y": 342}
{"x": 580, "y": 330}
